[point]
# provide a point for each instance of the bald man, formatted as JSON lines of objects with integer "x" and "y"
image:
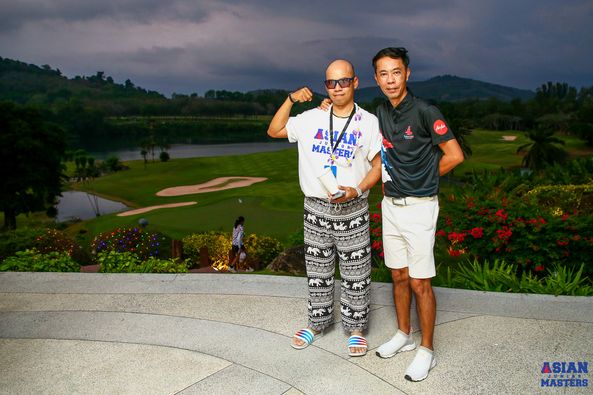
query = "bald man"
{"x": 340, "y": 146}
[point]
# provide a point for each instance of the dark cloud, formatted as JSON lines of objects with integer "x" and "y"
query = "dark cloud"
{"x": 188, "y": 46}
{"x": 15, "y": 14}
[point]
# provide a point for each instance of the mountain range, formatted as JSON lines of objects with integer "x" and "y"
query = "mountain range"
{"x": 451, "y": 88}
{"x": 28, "y": 83}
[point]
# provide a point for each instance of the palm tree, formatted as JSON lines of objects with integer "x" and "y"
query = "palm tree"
{"x": 542, "y": 150}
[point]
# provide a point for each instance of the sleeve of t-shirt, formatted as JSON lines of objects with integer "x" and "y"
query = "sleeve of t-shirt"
{"x": 294, "y": 127}
{"x": 437, "y": 126}
{"x": 376, "y": 141}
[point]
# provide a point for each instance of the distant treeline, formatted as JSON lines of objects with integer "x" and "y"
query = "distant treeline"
{"x": 96, "y": 108}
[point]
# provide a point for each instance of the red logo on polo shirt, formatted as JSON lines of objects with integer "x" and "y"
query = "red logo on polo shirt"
{"x": 440, "y": 127}
{"x": 408, "y": 135}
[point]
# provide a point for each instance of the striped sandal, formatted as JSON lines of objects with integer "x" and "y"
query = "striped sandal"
{"x": 355, "y": 341}
{"x": 307, "y": 336}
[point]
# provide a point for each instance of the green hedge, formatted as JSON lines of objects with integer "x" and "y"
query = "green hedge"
{"x": 34, "y": 261}
{"x": 128, "y": 262}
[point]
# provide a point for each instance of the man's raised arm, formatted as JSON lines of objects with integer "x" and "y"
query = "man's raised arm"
{"x": 277, "y": 128}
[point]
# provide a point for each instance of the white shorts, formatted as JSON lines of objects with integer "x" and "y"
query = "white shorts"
{"x": 409, "y": 226}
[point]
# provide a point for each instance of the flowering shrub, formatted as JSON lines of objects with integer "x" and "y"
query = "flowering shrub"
{"x": 53, "y": 240}
{"x": 515, "y": 231}
{"x": 142, "y": 243}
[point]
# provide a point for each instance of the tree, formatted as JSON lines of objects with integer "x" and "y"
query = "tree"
{"x": 542, "y": 150}
{"x": 31, "y": 168}
{"x": 164, "y": 156}
{"x": 144, "y": 154}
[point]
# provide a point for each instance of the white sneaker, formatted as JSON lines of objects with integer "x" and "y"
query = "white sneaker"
{"x": 421, "y": 365}
{"x": 398, "y": 343}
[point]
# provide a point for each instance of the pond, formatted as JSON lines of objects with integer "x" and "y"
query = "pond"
{"x": 75, "y": 205}
{"x": 196, "y": 151}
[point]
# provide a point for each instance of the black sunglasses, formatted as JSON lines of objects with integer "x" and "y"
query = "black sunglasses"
{"x": 344, "y": 82}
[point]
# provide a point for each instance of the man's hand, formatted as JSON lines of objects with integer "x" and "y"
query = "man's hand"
{"x": 325, "y": 104}
{"x": 302, "y": 95}
{"x": 350, "y": 194}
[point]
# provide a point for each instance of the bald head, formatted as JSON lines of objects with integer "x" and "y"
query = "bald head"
{"x": 340, "y": 68}
{"x": 341, "y": 93}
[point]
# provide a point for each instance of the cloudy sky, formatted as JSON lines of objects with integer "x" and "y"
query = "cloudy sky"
{"x": 190, "y": 46}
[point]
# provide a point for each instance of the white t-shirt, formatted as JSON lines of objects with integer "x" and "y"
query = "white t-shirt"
{"x": 353, "y": 156}
{"x": 238, "y": 236}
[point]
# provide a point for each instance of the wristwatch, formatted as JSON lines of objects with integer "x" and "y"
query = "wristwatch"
{"x": 358, "y": 191}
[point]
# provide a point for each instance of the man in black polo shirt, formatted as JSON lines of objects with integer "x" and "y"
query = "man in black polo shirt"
{"x": 418, "y": 148}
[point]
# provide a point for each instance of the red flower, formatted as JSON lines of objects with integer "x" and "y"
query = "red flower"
{"x": 565, "y": 217}
{"x": 470, "y": 203}
{"x": 502, "y": 215}
{"x": 453, "y": 252}
{"x": 542, "y": 221}
{"x": 377, "y": 245}
{"x": 505, "y": 233}
{"x": 459, "y": 237}
{"x": 448, "y": 221}
{"x": 477, "y": 232}
{"x": 441, "y": 233}
{"x": 382, "y": 254}
{"x": 375, "y": 217}
{"x": 562, "y": 243}
{"x": 539, "y": 268}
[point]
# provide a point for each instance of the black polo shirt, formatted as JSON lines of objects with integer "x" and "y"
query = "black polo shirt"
{"x": 411, "y": 133}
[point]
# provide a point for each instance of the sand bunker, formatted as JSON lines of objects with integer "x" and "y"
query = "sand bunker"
{"x": 509, "y": 138}
{"x": 217, "y": 184}
{"x": 150, "y": 208}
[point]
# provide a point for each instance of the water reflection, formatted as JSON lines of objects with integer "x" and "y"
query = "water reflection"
{"x": 75, "y": 205}
{"x": 196, "y": 151}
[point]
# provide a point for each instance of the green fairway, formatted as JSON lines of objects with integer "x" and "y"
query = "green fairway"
{"x": 273, "y": 207}
{"x": 491, "y": 152}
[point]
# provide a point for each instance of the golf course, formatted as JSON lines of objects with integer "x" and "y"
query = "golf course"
{"x": 272, "y": 207}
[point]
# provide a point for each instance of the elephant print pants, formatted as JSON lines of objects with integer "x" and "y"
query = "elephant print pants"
{"x": 342, "y": 229}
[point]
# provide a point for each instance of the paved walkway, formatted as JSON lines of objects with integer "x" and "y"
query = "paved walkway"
{"x": 66, "y": 333}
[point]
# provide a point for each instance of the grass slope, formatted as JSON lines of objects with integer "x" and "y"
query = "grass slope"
{"x": 273, "y": 207}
